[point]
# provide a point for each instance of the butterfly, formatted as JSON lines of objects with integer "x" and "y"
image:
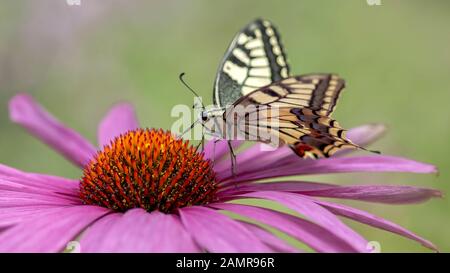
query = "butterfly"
{"x": 292, "y": 110}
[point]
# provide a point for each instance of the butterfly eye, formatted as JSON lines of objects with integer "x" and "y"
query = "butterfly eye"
{"x": 204, "y": 116}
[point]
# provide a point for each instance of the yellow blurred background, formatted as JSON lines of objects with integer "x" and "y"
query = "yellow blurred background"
{"x": 395, "y": 57}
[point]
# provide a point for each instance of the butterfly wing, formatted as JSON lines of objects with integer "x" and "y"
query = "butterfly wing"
{"x": 318, "y": 92}
{"x": 296, "y": 112}
{"x": 255, "y": 58}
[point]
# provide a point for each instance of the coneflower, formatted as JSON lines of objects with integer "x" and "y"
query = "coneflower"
{"x": 144, "y": 190}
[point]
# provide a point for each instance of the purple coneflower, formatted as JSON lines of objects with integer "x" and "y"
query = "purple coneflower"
{"x": 145, "y": 191}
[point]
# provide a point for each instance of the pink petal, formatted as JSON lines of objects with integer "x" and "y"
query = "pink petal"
{"x": 265, "y": 158}
{"x": 285, "y": 186}
{"x": 31, "y": 182}
{"x": 17, "y": 187}
{"x": 366, "y": 134}
{"x": 216, "y": 232}
{"x": 18, "y": 199}
{"x": 138, "y": 231}
{"x": 17, "y": 195}
{"x": 29, "y": 114}
{"x": 379, "y": 193}
{"x": 315, "y": 213}
{"x": 49, "y": 232}
{"x": 14, "y": 215}
{"x": 372, "y": 220}
{"x": 313, "y": 235}
{"x": 335, "y": 165}
{"x": 119, "y": 120}
{"x": 272, "y": 159}
{"x": 25, "y": 190}
{"x": 388, "y": 194}
{"x": 97, "y": 236}
{"x": 269, "y": 239}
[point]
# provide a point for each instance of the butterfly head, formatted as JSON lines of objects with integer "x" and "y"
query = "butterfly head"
{"x": 212, "y": 121}
{"x": 207, "y": 114}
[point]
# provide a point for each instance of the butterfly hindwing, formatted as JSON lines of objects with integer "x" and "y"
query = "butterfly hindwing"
{"x": 306, "y": 131}
{"x": 296, "y": 112}
{"x": 325, "y": 137}
{"x": 255, "y": 58}
{"x": 318, "y": 92}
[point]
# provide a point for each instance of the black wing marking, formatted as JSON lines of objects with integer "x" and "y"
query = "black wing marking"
{"x": 295, "y": 111}
{"x": 306, "y": 131}
{"x": 255, "y": 58}
{"x": 319, "y": 92}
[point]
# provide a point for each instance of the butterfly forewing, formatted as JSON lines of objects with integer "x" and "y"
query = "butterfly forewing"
{"x": 255, "y": 58}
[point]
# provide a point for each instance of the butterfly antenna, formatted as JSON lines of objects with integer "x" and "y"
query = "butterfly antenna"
{"x": 190, "y": 89}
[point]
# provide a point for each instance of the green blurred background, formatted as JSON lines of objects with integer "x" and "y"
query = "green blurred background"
{"x": 80, "y": 60}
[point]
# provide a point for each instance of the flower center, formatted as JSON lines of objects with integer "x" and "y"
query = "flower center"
{"x": 148, "y": 169}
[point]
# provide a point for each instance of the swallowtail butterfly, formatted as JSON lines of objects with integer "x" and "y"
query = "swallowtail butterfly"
{"x": 295, "y": 110}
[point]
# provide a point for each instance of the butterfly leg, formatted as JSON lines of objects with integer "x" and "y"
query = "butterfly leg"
{"x": 198, "y": 145}
{"x": 203, "y": 140}
{"x": 233, "y": 159}
{"x": 214, "y": 151}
